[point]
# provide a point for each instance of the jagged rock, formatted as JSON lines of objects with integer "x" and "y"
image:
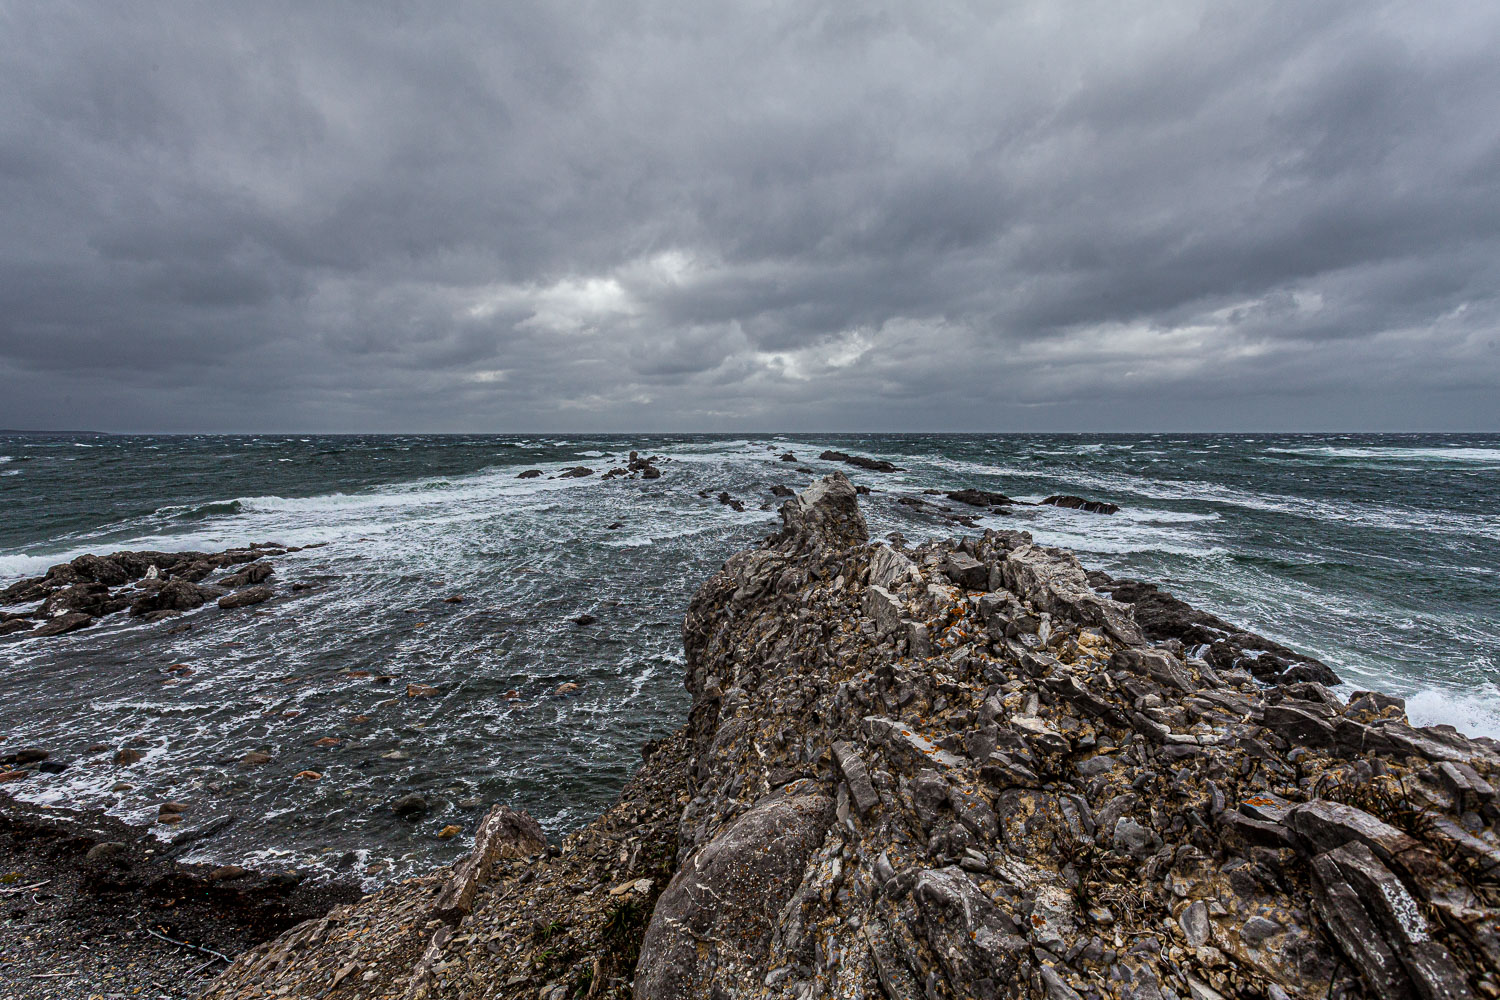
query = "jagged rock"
{"x": 888, "y": 784}
{"x": 530, "y": 474}
{"x": 826, "y": 513}
{"x": 503, "y": 833}
{"x": 253, "y": 573}
{"x": 966, "y": 571}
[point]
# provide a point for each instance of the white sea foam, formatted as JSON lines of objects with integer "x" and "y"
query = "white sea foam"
{"x": 1484, "y": 456}
{"x": 1470, "y": 714}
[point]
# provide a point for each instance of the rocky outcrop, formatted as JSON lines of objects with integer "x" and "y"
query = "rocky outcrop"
{"x": 957, "y": 770}
{"x": 152, "y": 585}
{"x": 859, "y": 461}
{"x": 1079, "y": 503}
{"x": 1229, "y": 647}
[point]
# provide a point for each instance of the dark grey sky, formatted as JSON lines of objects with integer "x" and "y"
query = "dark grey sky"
{"x": 938, "y": 215}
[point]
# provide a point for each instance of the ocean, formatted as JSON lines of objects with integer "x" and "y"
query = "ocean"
{"x": 1378, "y": 554}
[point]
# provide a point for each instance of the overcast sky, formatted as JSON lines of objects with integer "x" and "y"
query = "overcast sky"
{"x": 640, "y": 216}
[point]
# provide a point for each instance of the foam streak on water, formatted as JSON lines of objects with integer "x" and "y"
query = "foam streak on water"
{"x": 1377, "y": 554}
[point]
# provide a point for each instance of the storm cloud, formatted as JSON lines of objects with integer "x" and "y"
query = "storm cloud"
{"x": 778, "y": 216}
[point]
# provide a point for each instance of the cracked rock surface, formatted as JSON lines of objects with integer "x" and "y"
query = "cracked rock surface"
{"x": 960, "y": 770}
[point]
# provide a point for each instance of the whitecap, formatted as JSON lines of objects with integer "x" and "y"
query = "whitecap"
{"x": 1472, "y": 715}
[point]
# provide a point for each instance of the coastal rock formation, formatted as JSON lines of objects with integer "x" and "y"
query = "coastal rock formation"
{"x": 959, "y": 770}
{"x": 152, "y": 585}
{"x": 1163, "y": 617}
{"x": 859, "y": 461}
{"x": 1079, "y": 503}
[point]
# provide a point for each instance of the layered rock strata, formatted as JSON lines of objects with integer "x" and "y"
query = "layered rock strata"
{"x": 958, "y": 770}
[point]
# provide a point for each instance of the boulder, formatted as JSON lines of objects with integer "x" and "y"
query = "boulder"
{"x": 245, "y": 598}
{"x": 69, "y": 622}
{"x": 712, "y": 926}
{"x": 979, "y": 498}
{"x": 174, "y": 595}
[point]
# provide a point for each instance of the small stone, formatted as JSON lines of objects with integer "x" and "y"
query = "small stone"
{"x": 567, "y": 687}
{"x": 308, "y": 776}
{"x": 329, "y": 741}
{"x": 226, "y": 873}
{"x": 454, "y": 599}
{"x": 255, "y": 758}
{"x": 6, "y": 776}
{"x": 127, "y": 756}
{"x": 450, "y": 831}
{"x": 1194, "y": 924}
{"x": 1257, "y": 930}
{"x": 420, "y": 690}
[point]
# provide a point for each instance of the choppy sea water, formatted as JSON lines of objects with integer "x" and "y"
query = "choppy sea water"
{"x": 1377, "y": 553}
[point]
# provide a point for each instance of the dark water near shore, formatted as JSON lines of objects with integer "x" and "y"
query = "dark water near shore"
{"x": 1380, "y": 554}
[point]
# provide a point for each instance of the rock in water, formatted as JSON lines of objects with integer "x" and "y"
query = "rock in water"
{"x": 245, "y": 598}
{"x": 859, "y": 461}
{"x": 1079, "y": 503}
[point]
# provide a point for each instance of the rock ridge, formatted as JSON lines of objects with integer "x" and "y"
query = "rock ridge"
{"x": 960, "y": 770}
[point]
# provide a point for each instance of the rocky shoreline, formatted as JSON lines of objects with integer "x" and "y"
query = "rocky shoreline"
{"x": 965, "y": 769}
{"x": 153, "y": 586}
{"x": 93, "y": 907}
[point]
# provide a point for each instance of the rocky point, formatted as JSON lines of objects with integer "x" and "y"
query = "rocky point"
{"x": 962, "y": 769}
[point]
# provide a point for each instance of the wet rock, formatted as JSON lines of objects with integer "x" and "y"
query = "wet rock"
{"x": 411, "y": 806}
{"x": 247, "y": 597}
{"x": 126, "y": 756}
{"x": 1079, "y": 503}
{"x": 255, "y": 758}
{"x": 577, "y": 472}
{"x": 530, "y": 474}
{"x": 421, "y": 691}
{"x": 859, "y": 461}
{"x": 25, "y": 755}
{"x": 253, "y": 573}
{"x": 782, "y": 491}
{"x": 174, "y": 595}
{"x": 70, "y": 622}
{"x": 979, "y": 498}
